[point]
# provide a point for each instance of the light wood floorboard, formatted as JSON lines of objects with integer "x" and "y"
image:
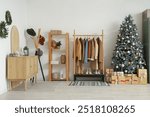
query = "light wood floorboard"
{"x": 59, "y": 90}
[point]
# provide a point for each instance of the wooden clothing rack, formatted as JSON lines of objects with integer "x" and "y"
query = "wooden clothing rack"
{"x": 101, "y": 63}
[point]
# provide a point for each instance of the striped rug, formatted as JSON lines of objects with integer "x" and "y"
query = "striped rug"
{"x": 88, "y": 83}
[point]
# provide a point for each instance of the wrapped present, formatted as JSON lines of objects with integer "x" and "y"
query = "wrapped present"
{"x": 128, "y": 79}
{"x": 114, "y": 73}
{"x": 142, "y": 73}
{"x": 111, "y": 71}
{"x": 107, "y": 71}
{"x": 121, "y": 80}
{"x": 130, "y": 75}
{"x": 108, "y": 74}
{"x": 108, "y": 79}
{"x": 135, "y": 80}
{"x": 114, "y": 79}
{"x": 143, "y": 80}
{"x": 120, "y": 73}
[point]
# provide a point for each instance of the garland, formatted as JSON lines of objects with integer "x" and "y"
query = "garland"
{"x": 3, "y": 30}
{"x": 8, "y": 18}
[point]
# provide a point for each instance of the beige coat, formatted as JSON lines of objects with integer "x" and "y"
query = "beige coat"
{"x": 96, "y": 49}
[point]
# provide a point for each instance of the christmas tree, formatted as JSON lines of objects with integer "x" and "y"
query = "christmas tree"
{"x": 128, "y": 53}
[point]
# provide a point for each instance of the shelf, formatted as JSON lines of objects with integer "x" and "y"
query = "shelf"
{"x": 63, "y": 50}
{"x": 58, "y": 49}
{"x": 58, "y": 64}
{"x": 58, "y": 34}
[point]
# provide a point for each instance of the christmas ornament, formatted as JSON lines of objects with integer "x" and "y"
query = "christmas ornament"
{"x": 128, "y": 52}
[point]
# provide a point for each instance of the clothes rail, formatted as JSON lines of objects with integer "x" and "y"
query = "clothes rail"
{"x": 101, "y": 62}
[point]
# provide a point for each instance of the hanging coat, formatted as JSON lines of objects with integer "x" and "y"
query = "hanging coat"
{"x": 89, "y": 49}
{"x": 83, "y": 50}
{"x": 99, "y": 44}
{"x": 76, "y": 52}
{"x": 96, "y": 49}
{"x": 101, "y": 51}
{"x": 79, "y": 49}
{"x": 86, "y": 51}
{"x": 92, "y": 50}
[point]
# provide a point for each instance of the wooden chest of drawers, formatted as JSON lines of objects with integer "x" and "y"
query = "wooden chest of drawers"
{"x": 21, "y": 68}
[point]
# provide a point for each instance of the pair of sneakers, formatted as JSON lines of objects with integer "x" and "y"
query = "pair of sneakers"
{"x": 97, "y": 72}
{"x": 88, "y": 71}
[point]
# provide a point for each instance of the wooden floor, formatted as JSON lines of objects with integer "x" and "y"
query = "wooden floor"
{"x": 57, "y": 90}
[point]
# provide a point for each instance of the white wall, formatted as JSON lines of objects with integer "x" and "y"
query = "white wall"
{"x": 19, "y": 18}
{"x": 86, "y": 16}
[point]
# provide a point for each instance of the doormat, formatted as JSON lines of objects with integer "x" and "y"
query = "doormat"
{"x": 88, "y": 83}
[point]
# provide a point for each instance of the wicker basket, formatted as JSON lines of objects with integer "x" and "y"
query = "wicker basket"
{"x": 56, "y": 75}
{"x": 63, "y": 59}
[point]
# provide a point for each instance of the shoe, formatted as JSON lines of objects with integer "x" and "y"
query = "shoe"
{"x": 87, "y": 72}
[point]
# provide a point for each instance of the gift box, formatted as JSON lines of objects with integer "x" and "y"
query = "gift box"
{"x": 108, "y": 79}
{"x": 128, "y": 79}
{"x": 108, "y": 74}
{"x": 114, "y": 73}
{"x": 120, "y": 73}
{"x": 135, "y": 80}
{"x": 121, "y": 80}
{"x": 107, "y": 71}
{"x": 130, "y": 75}
{"x": 143, "y": 80}
{"x": 114, "y": 79}
{"x": 142, "y": 73}
{"x": 111, "y": 71}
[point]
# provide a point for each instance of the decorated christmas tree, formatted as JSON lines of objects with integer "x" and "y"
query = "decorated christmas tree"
{"x": 128, "y": 53}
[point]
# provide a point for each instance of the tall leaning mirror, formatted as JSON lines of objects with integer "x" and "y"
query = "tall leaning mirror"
{"x": 14, "y": 37}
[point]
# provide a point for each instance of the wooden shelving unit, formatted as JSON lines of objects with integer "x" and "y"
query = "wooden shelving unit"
{"x": 65, "y": 51}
